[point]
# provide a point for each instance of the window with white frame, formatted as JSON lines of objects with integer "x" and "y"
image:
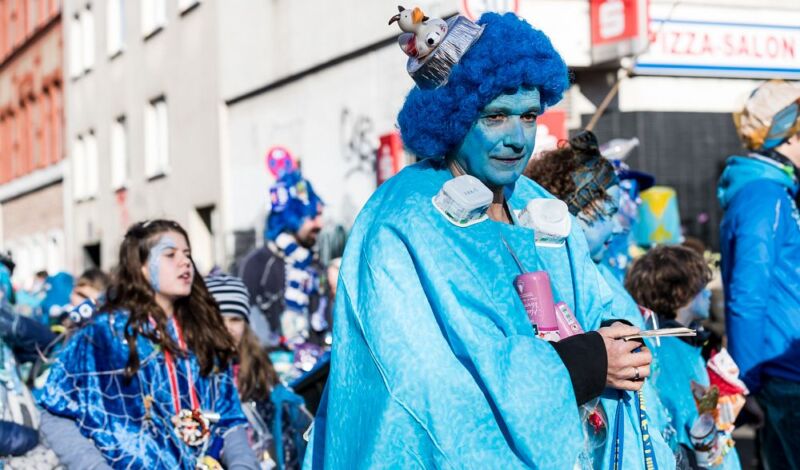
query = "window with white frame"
{"x": 92, "y": 164}
{"x": 87, "y": 37}
{"x": 78, "y": 169}
{"x": 115, "y": 26}
{"x": 154, "y": 15}
{"x": 156, "y": 156}
{"x": 75, "y": 47}
{"x": 119, "y": 154}
{"x": 184, "y": 5}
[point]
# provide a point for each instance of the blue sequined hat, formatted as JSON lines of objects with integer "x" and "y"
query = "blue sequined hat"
{"x": 292, "y": 201}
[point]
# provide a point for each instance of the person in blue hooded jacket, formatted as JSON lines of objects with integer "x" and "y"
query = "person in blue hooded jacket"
{"x": 435, "y": 363}
{"x": 760, "y": 244}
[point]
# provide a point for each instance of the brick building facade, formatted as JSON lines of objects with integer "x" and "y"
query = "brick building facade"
{"x": 31, "y": 134}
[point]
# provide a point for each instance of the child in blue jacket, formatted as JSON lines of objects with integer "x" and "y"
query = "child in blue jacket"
{"x": 671, "y": 281}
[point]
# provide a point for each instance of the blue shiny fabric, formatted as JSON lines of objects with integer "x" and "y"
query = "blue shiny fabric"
{"x": 677, "y": 365}
{"x": 86, "y": 384}
{"x": 434, "y": 362}
{"x": 625, "y": 308}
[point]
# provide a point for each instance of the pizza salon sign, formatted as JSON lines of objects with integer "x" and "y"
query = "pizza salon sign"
{"x": 681, "y": 47}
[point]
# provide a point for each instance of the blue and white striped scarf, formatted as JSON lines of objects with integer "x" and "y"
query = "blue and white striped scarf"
{"x": 301, "y": 282}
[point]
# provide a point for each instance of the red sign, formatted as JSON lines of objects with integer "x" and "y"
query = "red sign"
{"x": 279, "y": 161}
{"x": 551, "y": 127}
{"x": 613, "y": 20}
{"x": 389, "y": 158}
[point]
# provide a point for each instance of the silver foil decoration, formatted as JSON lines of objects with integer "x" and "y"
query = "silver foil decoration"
{"x": 434, "y": 69}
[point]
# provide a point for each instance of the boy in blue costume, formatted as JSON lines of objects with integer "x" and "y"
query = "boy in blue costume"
{"x": 435, "y": 363}
{"x": 760, "y": 245}
{"x": 671, "y": 281}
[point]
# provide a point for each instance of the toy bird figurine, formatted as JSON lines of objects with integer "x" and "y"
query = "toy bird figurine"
{"x": 421, "y": 34}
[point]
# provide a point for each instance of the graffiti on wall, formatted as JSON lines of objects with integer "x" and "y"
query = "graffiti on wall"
{"x": 359, "y": 142}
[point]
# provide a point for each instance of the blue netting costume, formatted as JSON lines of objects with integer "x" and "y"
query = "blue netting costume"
{"x": 130, "y": 420}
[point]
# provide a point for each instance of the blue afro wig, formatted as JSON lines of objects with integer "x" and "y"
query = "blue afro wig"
{"x": 509, "y": 54}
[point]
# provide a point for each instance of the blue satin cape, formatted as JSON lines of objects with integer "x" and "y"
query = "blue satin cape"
{"x": 434, "y": 362}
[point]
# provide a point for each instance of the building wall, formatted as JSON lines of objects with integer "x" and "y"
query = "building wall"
{"x": 179, "y": 63}
{"x": 333, "y": 135}
{"x": 34, "y": 231}
{"x": 31, "y": 132}
{"x": 21, "y": 19}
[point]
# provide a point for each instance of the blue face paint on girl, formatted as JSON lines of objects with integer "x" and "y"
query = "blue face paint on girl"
{"x": 601, "y": 227}
{"x": 154, "y": 258}
{"x": 500, "y": 142}
{"x": 700, "y": 307}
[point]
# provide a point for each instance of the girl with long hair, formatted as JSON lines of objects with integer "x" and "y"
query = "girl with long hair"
{"x": 271, "y": 408}
{"x": 148, "y": 381}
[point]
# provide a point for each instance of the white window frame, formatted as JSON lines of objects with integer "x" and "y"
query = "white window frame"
{"x": 156, "y": 161}
{"x": 78, "y": 169}
{"x": 75, "y": 46}
{"x": 154, "y": 16}
{"x": 184, "y": 5}
{"x": 92, "y": 164}
{"x": 115, "y": 27}
{"x": 119, "y": 153}
{"x": 87, "y": 38}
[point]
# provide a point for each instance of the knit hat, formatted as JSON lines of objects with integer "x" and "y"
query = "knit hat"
{"x": 231, "y": 294}
{"x": 292, "y": 201}
{"x": 770, "y": 116}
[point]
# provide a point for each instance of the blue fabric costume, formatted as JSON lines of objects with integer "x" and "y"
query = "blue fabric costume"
{"x": 760, "y": 243}
{"x": 435, "y": 363}
{"x": 86, "y": 384}
{"x": 677, "y": 364}
{"x": 429, "y": 335}
{"x": 6, "y": 288}
{"x": 625, "y": 308}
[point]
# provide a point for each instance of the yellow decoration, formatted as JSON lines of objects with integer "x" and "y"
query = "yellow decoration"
{"x": 661, "y": 234}
{"x": 658, "y": 197}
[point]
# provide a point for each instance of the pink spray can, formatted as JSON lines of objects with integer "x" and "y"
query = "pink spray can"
{"x": 536, "y": 295}
{"x": 567, "y": 323}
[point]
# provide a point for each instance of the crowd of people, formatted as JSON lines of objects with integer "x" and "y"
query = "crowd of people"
{"x": 474, "y": 321}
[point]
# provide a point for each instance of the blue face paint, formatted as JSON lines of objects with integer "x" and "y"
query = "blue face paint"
{"x": 500, "y": 143}
{"x": 154, "y": 259}
{"x": 600, "y": 228}
{"x": 700, "y": 307}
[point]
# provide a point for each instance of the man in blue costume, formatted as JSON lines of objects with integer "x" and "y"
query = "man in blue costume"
{"x": 435, "y": 363}
{"x": 283, "y": 275}
{"x": 760, "y": 243}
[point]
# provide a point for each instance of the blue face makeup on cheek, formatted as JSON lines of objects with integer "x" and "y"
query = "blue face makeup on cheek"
{"x": 154, "y": 259}
{"x": 600, "y": 231}
{"x": 701, "y": 305}
{"x": 500, "y": 143}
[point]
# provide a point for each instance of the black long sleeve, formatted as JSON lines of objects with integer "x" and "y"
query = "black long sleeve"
{"x": 586, "y": 360}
